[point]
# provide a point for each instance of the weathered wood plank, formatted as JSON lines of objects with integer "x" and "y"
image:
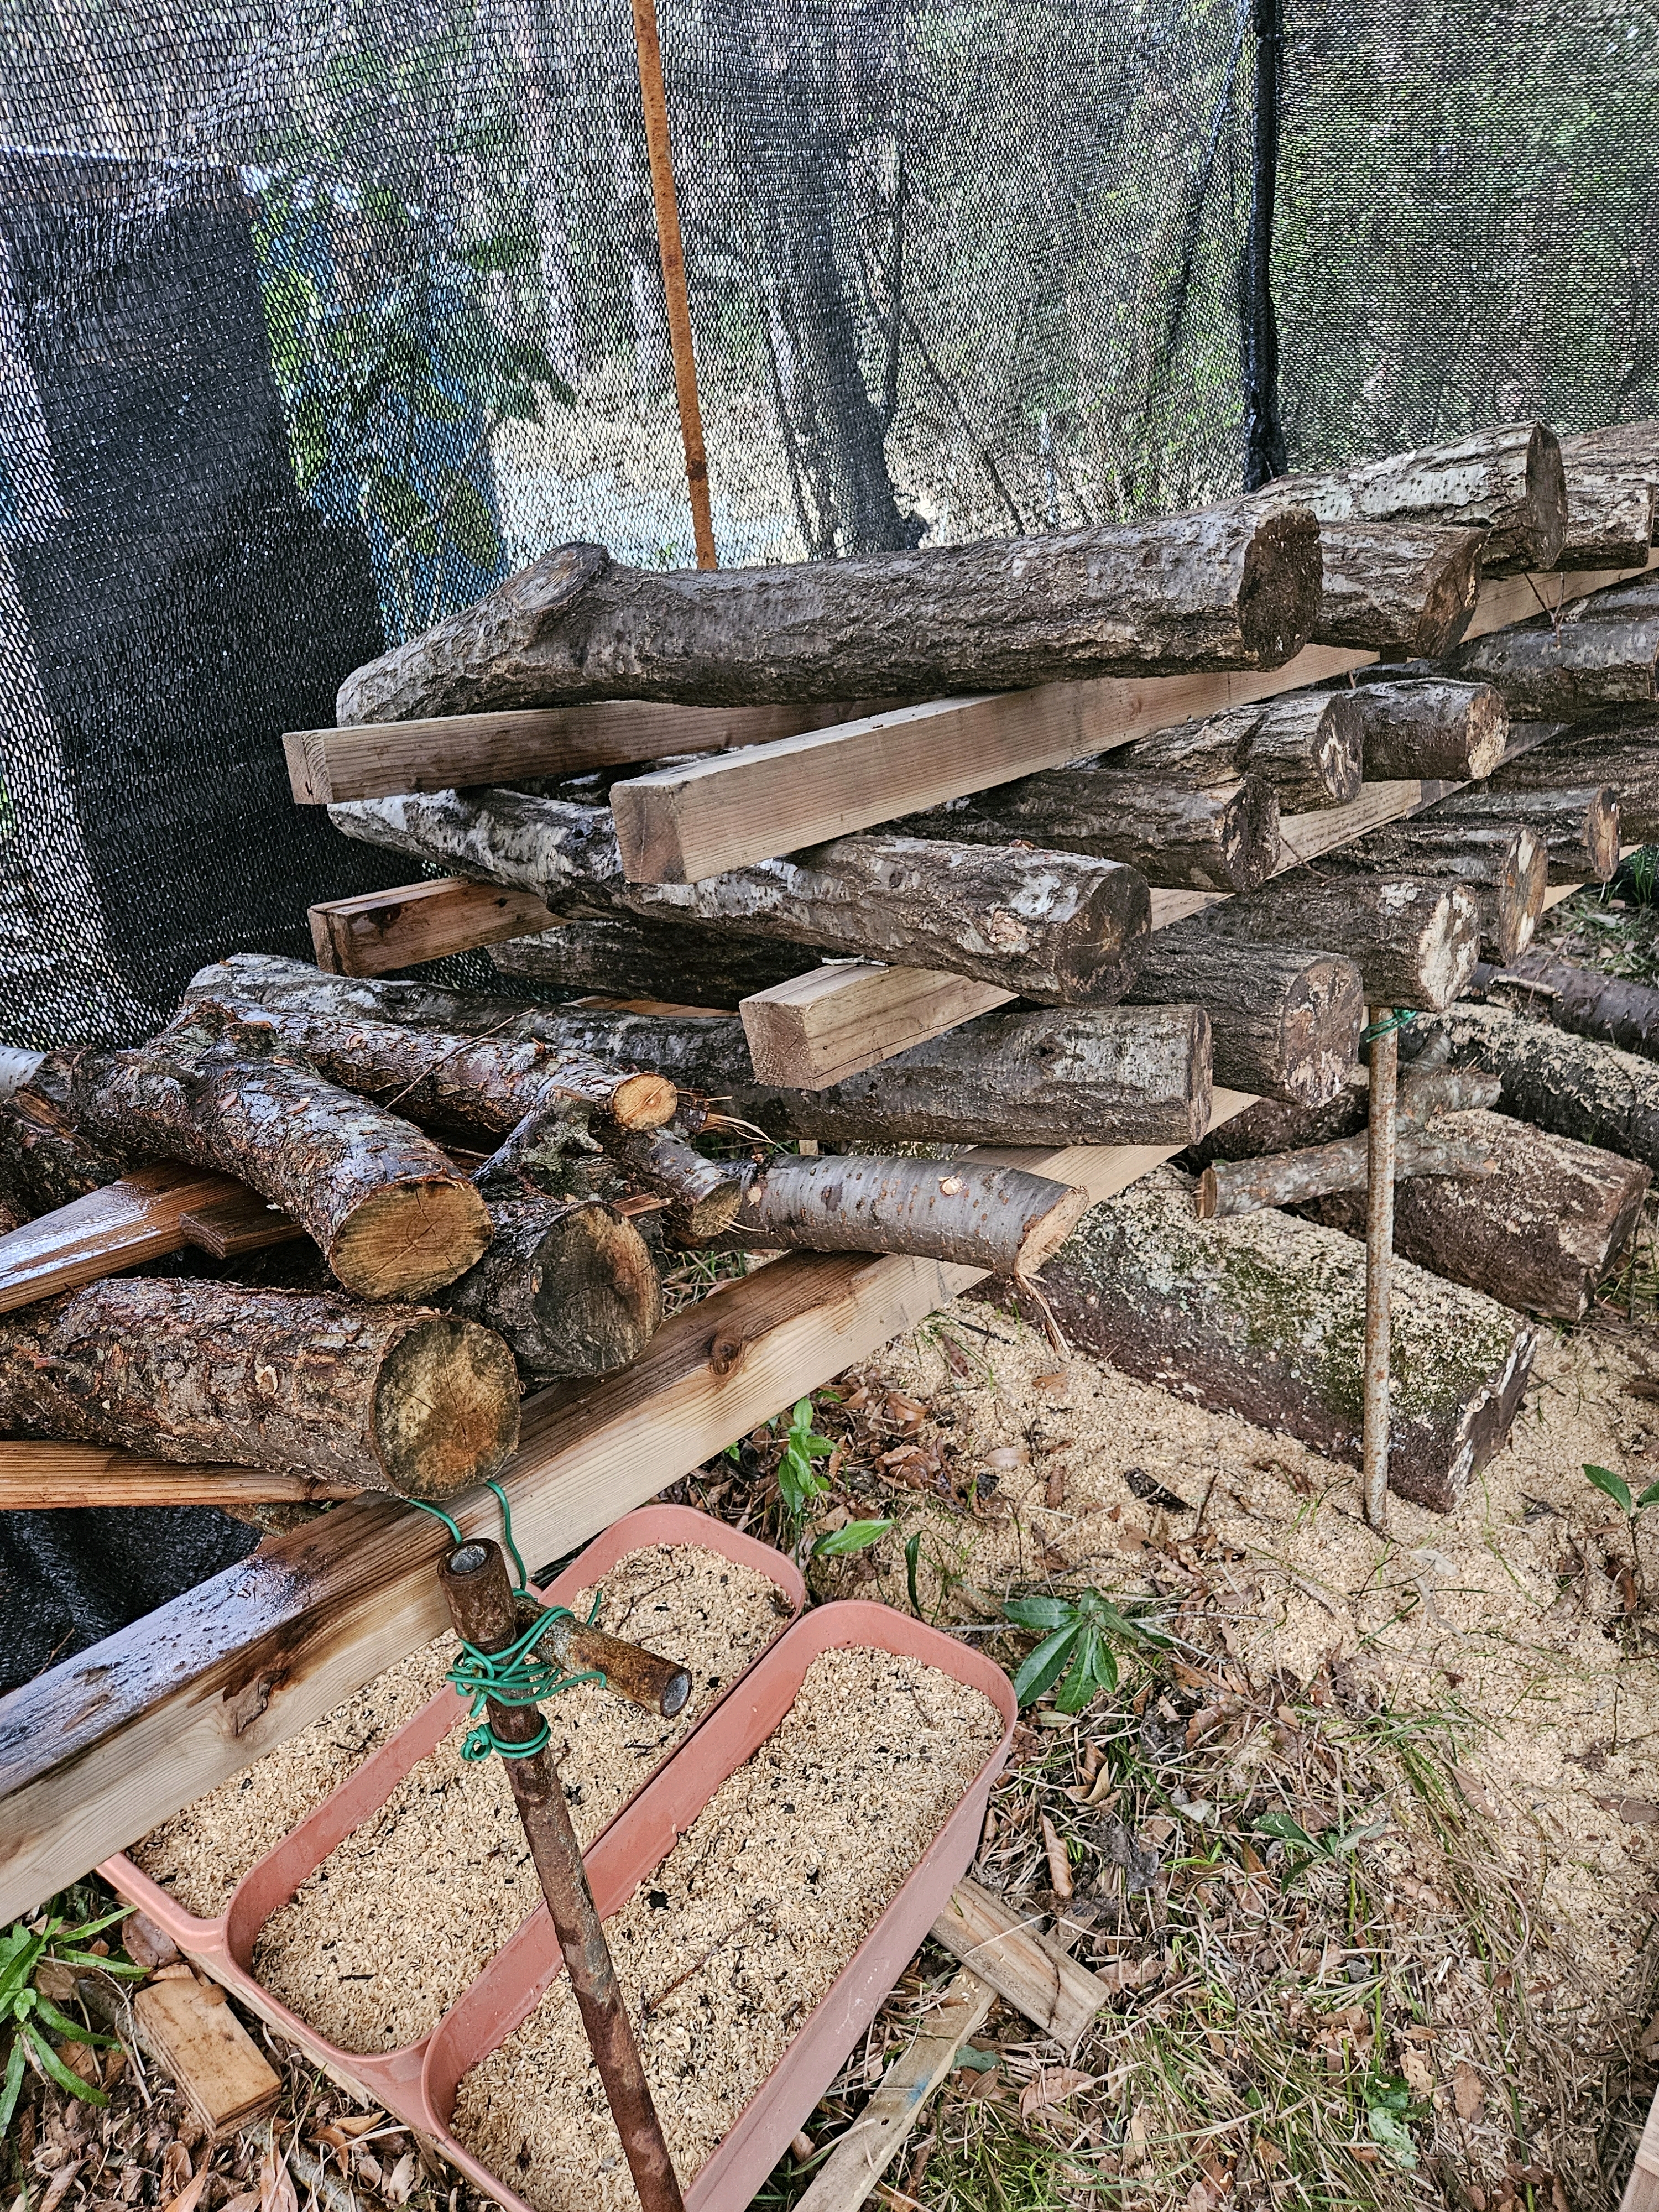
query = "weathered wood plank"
{"x": 1507, "y": 599}
{"x": 1023, "y": 1966}
{"x": 378, "y": 931}
{"x": 124, "y": 1224}
{"x": 98, "y": 1750}
{"x": 837, "y": 1020}
{"x": 37, "y": 1478}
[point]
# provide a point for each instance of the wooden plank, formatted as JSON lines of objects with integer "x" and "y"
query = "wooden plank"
{"x": 869, "y": 2147}
{"x": 37, "y": 1478}
{"x": 821, "y": 1027}
{"x": 1032, "y": 1972}
{"x": 1642, "y": 2190}
{"x": 240, "y": 1222}
{"x": 98, "y": 1750}
{"x": 373, "y": 759}
{"x": 139, "y": 1218}
{"x": 683, "y": 824}
{"x": 378, "y": 931}
{"x": 193, "y": 2033}
{"x": 1507, "y": 599}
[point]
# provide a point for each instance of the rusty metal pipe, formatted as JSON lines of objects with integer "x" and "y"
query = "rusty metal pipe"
{"x": 661, "y": 1686}
{"x": 1380, "y": 1160}
{"x": 482, "y": 1606}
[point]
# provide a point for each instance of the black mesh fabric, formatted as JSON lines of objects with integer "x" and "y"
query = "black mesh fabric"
{"x": 317, "y": 318}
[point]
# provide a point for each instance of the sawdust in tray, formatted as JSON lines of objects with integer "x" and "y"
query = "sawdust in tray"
{"x": 728, "y": 1946}
{"x": 201, "y": 1854}
{"x": 405, "y": 1912}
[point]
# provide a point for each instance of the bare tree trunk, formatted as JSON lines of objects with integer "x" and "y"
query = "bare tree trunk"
{"x": 1218, "y": 589}
{"x": 391, "y": 1398}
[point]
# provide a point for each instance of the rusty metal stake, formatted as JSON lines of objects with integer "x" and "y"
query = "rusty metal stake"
{"x": 1379, "y": 1254}
{"x": 482, "y": 1607}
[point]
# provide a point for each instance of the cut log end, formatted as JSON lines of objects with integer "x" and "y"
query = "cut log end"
{"x": 406, "y": 1240}
{"x": 1279, "y": 598}
{"x": 445, "y": 1407}
{"x": 601, "y": 1288}
{"x": 644, "y": 1101}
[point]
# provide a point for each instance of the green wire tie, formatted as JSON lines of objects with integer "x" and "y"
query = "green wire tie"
{"x": 512, "y": 1676}
{"x": 1386, "y": 1027}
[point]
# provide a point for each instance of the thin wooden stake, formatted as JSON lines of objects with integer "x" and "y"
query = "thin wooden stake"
{"x": 672, "y": 251}
{"x": 1379, "y": 1253}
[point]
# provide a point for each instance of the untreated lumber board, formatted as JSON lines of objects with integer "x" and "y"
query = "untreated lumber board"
{"x": 1505, "y": 600}
{"x": 1026, "y": 1967}
{"x": 198, "y": 2039}
{"x": 37, "y": 1478}
{"x": 378, "y": 931}
{"x": 837, "y": 1020}
{"x": 683, "y": 823}
{"x": 97, "y": 1751}
{"x": 124, "y": 1224}
{"x": 370, "y": 760}
{"x": 874, "y": 2140}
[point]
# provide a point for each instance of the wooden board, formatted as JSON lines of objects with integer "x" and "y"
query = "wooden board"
{"x": 97, "y": 1751}
{"x": 821, "y": 1027}
{"x": 869, "y": 2147}
{"x": 683, "y": 824}
{"x": 1642, "y": 2190}
{"x": 1508, "y": 599}
{"x": 37, "y": 1478}
{"x": 378, "y": 931}
{"x": 374, "y": 759}
{"x": 124, "y": 1224}
{"x": 193, "y": 2033}
{"x": 1026, "y": 1967}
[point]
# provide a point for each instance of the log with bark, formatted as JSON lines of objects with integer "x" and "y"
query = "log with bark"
{"x": 1053, "y": 926}
{"x": 1435, "y": 728}
{"x": 567, "y": 1283}
{"x": 701, "y": 1196}
{"x": 1505, "y": 869}
{"x": 1397, "y": 587}
{"x": 1572, "y": 1086}
{"x": 44, "y": 1161}
{"x": 1232, "y": 1187}
{"x": 676, "y": 963}
{"x": 384, "y": 1397}
{"x": 1611, "y": 477}
{"x": 1579, "y": 827}
{"x": 1584, "y": 1000}
{"x": 1282, "y": 1024}
{"x": 1550, "y": 671}
{"x": 967, "y": 1212}
{"x": 1224, "y": 838}
{"x": 1220, "y": 589}
{"x": 1426, "y": 1092}
{"x": 1306, "y": 744}
{"x": 1507, "y": 481}
{"x": 1539, "y": 1233}
{"x": 393, "y": 1218}
{"x": 1265, "y": 1317}
{"x": 1095, "y": 1075}
{"x": 1606, "y": 750}
{"x": 1415, "y": 942}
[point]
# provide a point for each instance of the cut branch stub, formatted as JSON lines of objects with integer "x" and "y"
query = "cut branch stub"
{"x": 394, "y": 1219}
{"x": 703, "y": 1196}
{"x": 388, "y": 1398}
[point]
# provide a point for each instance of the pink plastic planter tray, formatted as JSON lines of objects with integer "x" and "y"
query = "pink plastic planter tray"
{"x": 637, "y": 1842}
{"x": 224, "y": 1947}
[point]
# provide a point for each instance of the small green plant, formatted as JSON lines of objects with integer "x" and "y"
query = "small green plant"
{"x": 1077, "y": 1651}
{"x": 798, "y": 1480}
{"x": 851, "y": 1536}
{"x": 1387, "y": 2100}
{"x": 26, "y": 2010}
{"x": 1615, "y": 1487}
{"x": 1334, "y": 1846}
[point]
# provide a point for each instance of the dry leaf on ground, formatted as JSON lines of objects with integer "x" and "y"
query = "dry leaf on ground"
{"x": 277, "y": 2190}
{"x": 189, "y": 2196}
{"x": 1052, "y": 2085}
{"x": 1468, "y": 2092}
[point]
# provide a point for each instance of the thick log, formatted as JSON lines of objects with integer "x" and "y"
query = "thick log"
{"x": 1401, "y": 588}
{"x": 1222, "y": 839}
{"x": 1555, "y": 671}
{"x": 676, "y": 963}
{"x": 1306, "y": 744}
{"x": 1539, "y": 1233}
{"x": 1001, "y": 1219}
{"x": 1613, "y": 476}
{"x": 569, "y": 1284}
{"x": 1507, "y": 481}
{"x": 1265, "y": 1316}
{"x": 1053, "y": 926}
{"x": 1282, "y": 1024}
{"x": 1583, "y": 1000}
{"x": 392, "y": 1217}
{"x": 1579, "y": 829}
{"x": 1233, "y": 1187}
{"x": 1433, "y": 727}
{"x": 1572, "y": 1086}
{"x": 1218, "y": 589}
{"x": 1610, "y": 751}
{"x": 1415, "y": 943}
{"x": 386, "y": 1398}
{"x": 1505, "y": 869}
{"x": 458, "y": 1083}
{"x": 702, "y": 1196}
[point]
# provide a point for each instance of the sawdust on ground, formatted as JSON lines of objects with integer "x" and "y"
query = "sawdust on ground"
{"x": 389, "y": 1930}
{"x": 737, "y": 1934}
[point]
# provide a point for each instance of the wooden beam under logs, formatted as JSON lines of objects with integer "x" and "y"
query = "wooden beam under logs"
{"x": 377, "y": 932}
{"x": 36, "y": 1478}
{"x": 98, "y": 1750}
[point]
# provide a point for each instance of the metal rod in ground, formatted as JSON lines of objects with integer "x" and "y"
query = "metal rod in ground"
{"x": 675, "y": 296}
{"x": 481, "y": 1605}
{"x": 1379, "y": 1259}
